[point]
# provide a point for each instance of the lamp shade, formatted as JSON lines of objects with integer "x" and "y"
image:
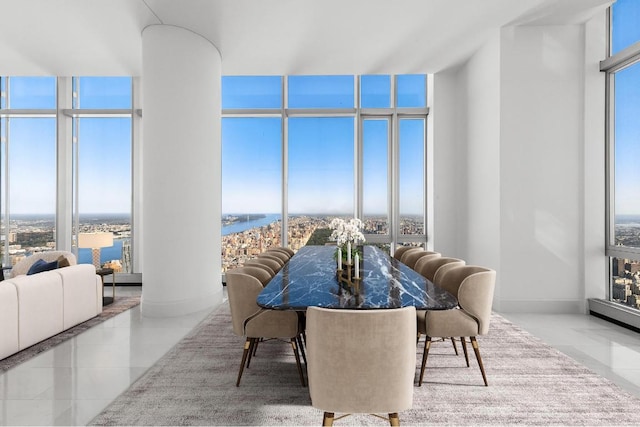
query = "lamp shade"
{"x": 95, "y": 240}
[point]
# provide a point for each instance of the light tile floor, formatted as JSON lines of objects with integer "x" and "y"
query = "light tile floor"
{"x": 73, "y": 382}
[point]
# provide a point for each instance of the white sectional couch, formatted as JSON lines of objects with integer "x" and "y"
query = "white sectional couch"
{"x": 36, "y": 307}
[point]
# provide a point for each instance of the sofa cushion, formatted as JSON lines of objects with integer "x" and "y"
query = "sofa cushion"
{"x": 41, "y": 265}
{"x": 9, "y": 343}
{"x": 82, "y": 294}
{"x": 39, "y": 306}
{"x": 63, "y": 261}
{"x": 24, "y": 264}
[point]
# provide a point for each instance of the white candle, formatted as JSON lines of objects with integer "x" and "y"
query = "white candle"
{"x": 348, "y": 252}
{"x": 339, "y": 258}
{"x": 357, "y": 258}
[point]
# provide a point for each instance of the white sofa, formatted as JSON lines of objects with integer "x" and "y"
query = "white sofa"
{"x": 36, "y": 307}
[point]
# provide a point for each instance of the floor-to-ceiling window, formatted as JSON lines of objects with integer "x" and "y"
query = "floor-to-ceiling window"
{"x": 28, "y": 166}
{"x": 623, "y": 149}
{"x": 102, "y": 144}
{"x": 298, "y": 151}
{"x": 36, "y": 193}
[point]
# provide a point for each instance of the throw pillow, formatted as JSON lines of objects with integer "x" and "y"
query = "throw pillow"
{"x": 62, "y": 261}
{"x": 41, "y": 265}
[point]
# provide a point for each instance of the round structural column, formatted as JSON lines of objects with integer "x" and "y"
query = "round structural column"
{"x": 181, "y": 172}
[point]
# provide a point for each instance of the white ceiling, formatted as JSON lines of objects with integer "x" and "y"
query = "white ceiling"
{"x": 103, "y": 37}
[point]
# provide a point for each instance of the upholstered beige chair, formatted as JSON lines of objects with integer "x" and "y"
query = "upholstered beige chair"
{"x": 424, "y": 259}
{"x": 255, "y": 323}
{"x": 283, "y": 256}
{"x": 473, "y": 286}
{"x": 400, "y": 250}
{"x": 288, "y": 252}
{"x": 271, "y": 264}
{"x": 413, "y": 257}
{"x": 433, "y": 267}
{"x": 361, "y": 361}
{"x": 408, "y": 253}
{"x": 258, "y": 271}
{"x": 276, "y": 258}
{"x": 257, "y": 264}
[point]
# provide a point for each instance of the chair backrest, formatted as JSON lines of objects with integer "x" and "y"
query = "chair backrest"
{"x": 273, "y": 257}
{"x": 25, "y": 264}
{"x": 425, "y": 258}
{"x": 256, "y": 271}
{"x": 260, "y": 264}
{"x": 408, "y": 253}
{"x": 242, "y": 290}
{"x": 273, "y": 264}
{"x": 473, "y": 286}
{"x": 288, "y": 252}
{"x": 361, "y": 361}
{"x": 400, "y": 250}
{"x": 429, "y": 268}
{"x": 412, "y": 258}
{"x": 283, "y": 256}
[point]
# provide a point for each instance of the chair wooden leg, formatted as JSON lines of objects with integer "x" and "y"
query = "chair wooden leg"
{"x": 427, "y": 346}
{"x": 394, "y": 420}
{"x": 455, "y": 347}
{"x": 301, "y": 346}
{"x": 295, "y": 353}
{"x": 247, "y": 345}
{"x": 417, "y": 338}
{"x": 252, "y": 349}
{"x": 474, "y": 342}
{"x": 255, "y": 347}
{"x": 327, "y": 419}
{"x": 464, "y": 348}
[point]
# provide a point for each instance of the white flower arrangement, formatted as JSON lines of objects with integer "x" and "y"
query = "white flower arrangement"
{"x": 346, "y": 231}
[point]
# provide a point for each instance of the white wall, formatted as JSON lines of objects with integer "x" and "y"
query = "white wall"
{"x": 528, "y": 128}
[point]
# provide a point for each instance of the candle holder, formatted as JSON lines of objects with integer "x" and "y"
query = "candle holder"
{"x": 347, "y": 279}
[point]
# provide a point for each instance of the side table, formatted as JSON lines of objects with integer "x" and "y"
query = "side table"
{"x": 105, "y": 272}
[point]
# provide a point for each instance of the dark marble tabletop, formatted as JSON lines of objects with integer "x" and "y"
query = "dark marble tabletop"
{"x": 310, "y": 279}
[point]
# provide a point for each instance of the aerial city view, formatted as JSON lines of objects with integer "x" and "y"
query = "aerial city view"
{"x": 245, "y": 236}
{"x": 625, "y": 287}
{"x": 29, "y": 234}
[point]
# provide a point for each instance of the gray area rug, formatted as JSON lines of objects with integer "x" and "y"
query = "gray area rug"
{"x": 530, "y": 383}
{"x": 121, "y": 304}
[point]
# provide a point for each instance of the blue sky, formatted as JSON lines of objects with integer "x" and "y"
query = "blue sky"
{"x": 104, "y": 147}
{"x": 626, "y": 31}
{"x": 320, "y": 149}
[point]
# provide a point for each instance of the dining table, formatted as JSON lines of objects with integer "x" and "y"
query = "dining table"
{"x": 311, "y": 279}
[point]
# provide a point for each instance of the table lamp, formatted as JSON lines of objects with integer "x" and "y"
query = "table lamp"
{"x": 95, "y": 241}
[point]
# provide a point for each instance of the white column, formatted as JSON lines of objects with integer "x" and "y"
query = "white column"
{"x": 181, "y": 178}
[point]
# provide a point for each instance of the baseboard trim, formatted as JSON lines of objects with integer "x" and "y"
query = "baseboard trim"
{"x": 615, "y": 313}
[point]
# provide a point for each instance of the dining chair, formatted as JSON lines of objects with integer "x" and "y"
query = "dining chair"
{"x": 424, "y": 259}
{"x": 257, "y": 271}
{"x": 430, "y": 267}
{"x": 408, "y": 253}
{"x": 276, "y": 258}
{"x": 260, "y": 264}
{"x": 400, "y": 250}
{"x": 361, "y": 361}
{"x": 473, "y": 286}
{"x": 272, "y": 264}
{"x": 283, "y": 256}
{"x": 256, "y": 323}
{"x": 433, "y": 268}
{"x": 412, "y": 257}
{"x": 284, "y": 249}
